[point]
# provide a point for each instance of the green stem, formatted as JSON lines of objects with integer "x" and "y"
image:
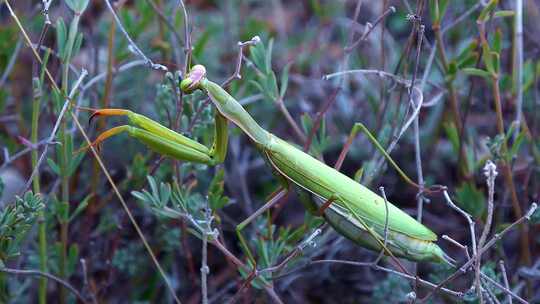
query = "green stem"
{"x": 42, "y": 225}
{"x": 65, "y": 157}
{"x": 42, "y": 235}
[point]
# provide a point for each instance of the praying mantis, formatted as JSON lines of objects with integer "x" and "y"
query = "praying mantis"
{"x": 351, "y": 209}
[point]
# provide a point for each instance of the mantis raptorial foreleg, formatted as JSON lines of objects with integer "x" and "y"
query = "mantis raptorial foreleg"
{"x": 166, "y": 141}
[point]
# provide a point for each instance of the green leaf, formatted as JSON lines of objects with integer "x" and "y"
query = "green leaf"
{"x": 72, "y": 258}
{"x": 469, "y": 61}
{"x": 77, "y": 44}
{"x": 453, "y": 136}
{"x": 200, "y": 44}
{"x": 216, "y": 199}
{"x": 486, "y": 56}
{"x": 268, "y": 57}
{"x": 476, "y": 72}
{"x": 496, "y": 59}
{"x": 272, "y": 88}
{"x": 504, "y": 13}
{"x": 471, "y": 199}
{"x": 77, "y": 6}
{"x": 257, "y": 55}
{"x": 284, "y": 80}
{"x": 443, "y": 5}
{"x": 54, "y": 167}
{"x": 61, "y": 36}
{"x": 516, "y": 145}
{"x": 80, "y": 208}
{"x": 497, "y": 44}
{"x": 467, "y": 51}
{"x": 535, "y": 217}
{"x": 484, "y": 14}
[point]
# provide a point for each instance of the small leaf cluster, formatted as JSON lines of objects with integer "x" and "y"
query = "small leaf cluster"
{"x": 266, "y": 81}
{"x": 16, "y": 220}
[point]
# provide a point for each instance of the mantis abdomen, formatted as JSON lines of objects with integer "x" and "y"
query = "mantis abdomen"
{"x": 355, "y": 208}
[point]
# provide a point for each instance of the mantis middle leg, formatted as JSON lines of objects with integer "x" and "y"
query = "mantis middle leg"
{"x": 354, "y": 131}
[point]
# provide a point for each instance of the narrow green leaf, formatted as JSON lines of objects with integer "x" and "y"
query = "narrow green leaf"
{"x": 268, "y": 57}
{"x": 284, "y": 80}
{"x": 73, "y": 258}
{"x": 484, "y": 14}
{"x": 476, "y": 72}
{"x": 471, "y": 199}
{"x": 54, "y": 167}
{"x": 77, "y": 6}
{"x": 497, "y": 41}
{"x": 61, "y": 36}
{"x": 77, "y": 44}
{"x": 80, "y": 208}
{"x": 486, "y": 56}
{"x": 504, "y": 13}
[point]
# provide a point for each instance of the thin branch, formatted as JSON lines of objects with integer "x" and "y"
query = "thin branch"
{"x": 187, "y": 38}
{"x": 395, "y": 272}
{"x": 504, "y": 289}
{"x": 467, "y": 216}
{"x": 205, "y": 270}
{"x": 165, "y": 20}
{"x": 122, "y": 68}
{"x": 11, "y": 62}
{"x": 457, "y": 244}
{"x": 9, "y": 159}
{"x": 133, "y": 46}
{"x": 416, "y": 128}
{"x": 518, "y": 61}
{"x": 85, "y": 280}
{"x": 370, "y": 28}
{"x": 490, "y": 171}
{"x": 241, "y": 45}
{"x": 46, "y": 275}
{"x": 461, "y": 18}
{"x": 488, "y": 245}
{"x": 505, "y": 280}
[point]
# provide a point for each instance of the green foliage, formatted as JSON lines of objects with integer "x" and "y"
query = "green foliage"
{"x": 16, "y": 219}
{"x": 266, "y": 81}
{"x": 321, "y": 141}
{"x": 126, "y": 259}
{"x": 78, "y": 6}
{"x": 393, "y": 289}
{"x": 471, "y": 199}
{"x": 216, "y": 199}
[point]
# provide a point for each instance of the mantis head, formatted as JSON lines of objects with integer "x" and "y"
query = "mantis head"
{"x": 193, "y": 79}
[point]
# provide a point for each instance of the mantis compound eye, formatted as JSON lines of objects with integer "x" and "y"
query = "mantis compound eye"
{"x": 193, "y": 79}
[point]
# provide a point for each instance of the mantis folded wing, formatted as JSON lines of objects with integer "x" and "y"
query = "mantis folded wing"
{"x": 351, "y": 209}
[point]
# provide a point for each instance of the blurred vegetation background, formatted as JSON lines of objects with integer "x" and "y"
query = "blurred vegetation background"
{"x": 477, "y": 66}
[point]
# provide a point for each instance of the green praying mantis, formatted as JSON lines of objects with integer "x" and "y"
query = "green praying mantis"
{"x": 350, "y": 208}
